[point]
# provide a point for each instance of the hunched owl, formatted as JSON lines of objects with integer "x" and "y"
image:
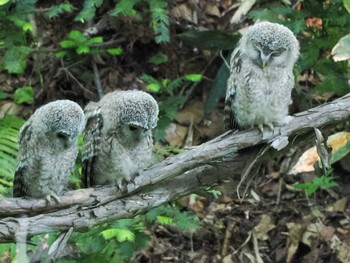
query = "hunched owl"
{"x": 118, "y": 137}
{"x": 261, "y": 77}
{"x": 48, "y": 150}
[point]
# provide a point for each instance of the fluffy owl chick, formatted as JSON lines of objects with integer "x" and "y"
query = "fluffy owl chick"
{"x": 48, "y": 150}
{"x": 261, "y": 77}
{"x": 118, "y": 137}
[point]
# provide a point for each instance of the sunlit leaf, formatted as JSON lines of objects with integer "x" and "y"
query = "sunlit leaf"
{"x": 3, "y": 2}
{"x": 83, "y": 49}
{"x": 194, "y": 77}
{"x": 77, "y": 36}
{"x": 94, "y": 40}
{"x": 68, "y": 44}
{"x": 155, "y": 87}
{"x": 164, "y": 220}
{"x": 347, "y": 5}
{"x": 115, "y": 51}
{"x": 341, "y": 50}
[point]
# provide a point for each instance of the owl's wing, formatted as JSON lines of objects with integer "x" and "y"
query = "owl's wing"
{"x": 19, "y": 187}
{"x": 235, "y": 69}
{"x": 92, "y": 136}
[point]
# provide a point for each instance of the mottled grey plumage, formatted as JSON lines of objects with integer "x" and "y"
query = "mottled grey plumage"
{"x": 261, "y": 77}
{"x": 118, "y": 137}
{"x": 48, "y": 149}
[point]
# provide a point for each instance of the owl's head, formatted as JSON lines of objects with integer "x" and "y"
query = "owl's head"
{"x": 59, "y": 123}
{"x": 270, "y": 45}
{"x": 128, "y": 114}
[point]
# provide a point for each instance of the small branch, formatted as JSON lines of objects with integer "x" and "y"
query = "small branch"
{"x": 211, "y": 163}
{"x": 97, "y": 79}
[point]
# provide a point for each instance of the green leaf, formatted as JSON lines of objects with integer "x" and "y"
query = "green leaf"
{"x": 115, "y": 51}
{"x": 125, "y": 7}
{"x": 341, "y": 50}
{"x": 77, "y": 36}
{"x": 3, "y": 2}
{"x": 164, "y": 220}
{"x": 158, "y": 59}
{"x": 68, "y": 43}
{"x": 347, "y": 5}
{"x": 3, "y": 95}
{"x": 24, "y": 95}
{"x": 194, "y": 77}
{"x": 82, "y": 49}
{"x": 15, "y": 59}
{"x": 218, "y": 88}
{"x": 219, "y": 39}
{"x": 61, "y": 53}
{"x": 121, "y": 235}
{"x": 155, "y": 87}
{"x": 59, "y": 9}
{"x": 325, "y": 181}
{"x": 94, "y": 40}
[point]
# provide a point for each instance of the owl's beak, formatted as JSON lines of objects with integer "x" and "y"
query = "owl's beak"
{"x": 264, "y": 61}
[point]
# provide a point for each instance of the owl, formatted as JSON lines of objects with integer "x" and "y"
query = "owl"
{"x": 118, "y": 137}
{"x": 261, "y": 77}
{"x": 48, "y": 150}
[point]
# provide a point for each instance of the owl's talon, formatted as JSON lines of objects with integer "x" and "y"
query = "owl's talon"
{"x": 270, "y": 125}
{"x": 53, "y": 196}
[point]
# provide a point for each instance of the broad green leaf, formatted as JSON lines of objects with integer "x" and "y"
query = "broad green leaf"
{"x": 341, "y": 50}
{"x": 115, "y": 51}
{"x": 94, "y": 40}
{"x": 194, "y": 77}
{"x": 155, "y": 87}
{"x": 158, "y": 59}
{"x": 24, "y": 95}
{"x": 3, "y": 2}
{"x": 83, "y": 49}
{"x": 347, "y": 5}
{"x": 15, "y": 59}
{"x": 219, "y": 40}
{"x": 77, "y": 36}
{"x": 68, "y": 43}
{"x": 61, "y": 53}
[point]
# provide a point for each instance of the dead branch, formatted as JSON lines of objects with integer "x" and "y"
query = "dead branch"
{"x": 211, "y": 163}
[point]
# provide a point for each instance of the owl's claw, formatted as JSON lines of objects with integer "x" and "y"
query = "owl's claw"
{"x": 52, "y": 196}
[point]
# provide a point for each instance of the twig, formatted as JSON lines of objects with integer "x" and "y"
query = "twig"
{"x": 97, "y": 79}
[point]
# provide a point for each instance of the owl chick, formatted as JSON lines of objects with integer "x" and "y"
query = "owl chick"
{"x": 261, "y": 77}
{"x": 118, "y": 137}
{"x": 48, "y": 150}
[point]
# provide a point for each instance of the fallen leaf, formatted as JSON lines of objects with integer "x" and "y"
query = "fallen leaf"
{"x": 265, "y": 225}
{"x": 338, "y": 206}
{"x": 175, "y": 134}
{"x": 340, "y": 143}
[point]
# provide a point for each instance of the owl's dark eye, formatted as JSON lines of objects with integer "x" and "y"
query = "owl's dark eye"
{"x": 278, "y": 53}
{"x": 62, "y": 135}
{"x": 132, "y": 128}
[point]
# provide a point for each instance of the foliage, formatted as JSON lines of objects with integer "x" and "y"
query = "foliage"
{"x": 322, "y": 182}
{"x": 79, "y": 43}
{"x": 168, "y": 102}
{"x": 121, "y": 239}
{"x": 9, "y": 130}
{"x": 159, "y": 17}
{"x": 24, "y": 95}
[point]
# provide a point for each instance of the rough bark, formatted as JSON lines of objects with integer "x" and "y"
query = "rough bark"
{"x": 206, "y": 165}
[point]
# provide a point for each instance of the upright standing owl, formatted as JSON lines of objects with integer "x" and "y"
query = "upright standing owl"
{"x": 118, "y": 137}
{"x": 261, "y": 77}
{"x": 48, "y": 150}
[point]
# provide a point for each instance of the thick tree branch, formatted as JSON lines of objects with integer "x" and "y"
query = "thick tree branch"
{"x": 211, "y": 163}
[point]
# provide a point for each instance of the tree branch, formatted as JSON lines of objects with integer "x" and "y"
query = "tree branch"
{"x": 211, "y": 163}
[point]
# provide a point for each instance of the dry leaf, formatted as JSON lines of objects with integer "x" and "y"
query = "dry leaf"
{"x": 338, "y": 206}
{"x": 309, "y": 157}
{"x": 175, "y": 135}
{"x": 265, "y": 225}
